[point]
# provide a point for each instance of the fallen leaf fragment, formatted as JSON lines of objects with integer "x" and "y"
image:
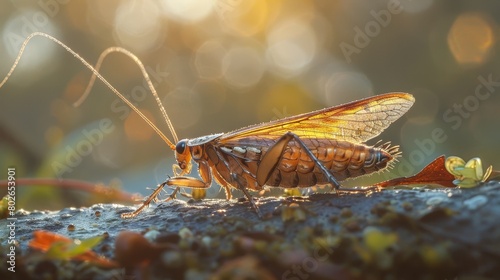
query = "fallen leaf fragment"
{"x": 57, "y": 246}
{"x": 434, "y": 173}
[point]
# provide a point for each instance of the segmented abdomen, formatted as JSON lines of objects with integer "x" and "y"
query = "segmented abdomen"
{"x": 295, "y": 169}
{"x": 343, "y": 159}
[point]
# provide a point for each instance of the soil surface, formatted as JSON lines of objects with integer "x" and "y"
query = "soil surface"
{"x": 393, "y": 234}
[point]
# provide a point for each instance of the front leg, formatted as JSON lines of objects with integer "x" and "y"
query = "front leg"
{"x": 147, "y": 202}
{"x": 206, "y": 180}
{"x": 179, "y": 181}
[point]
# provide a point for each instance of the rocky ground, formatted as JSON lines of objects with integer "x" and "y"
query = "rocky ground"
{"x": 394, "y": 234}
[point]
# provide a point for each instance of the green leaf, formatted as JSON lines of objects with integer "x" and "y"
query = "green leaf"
{"x": 63, "y": 250}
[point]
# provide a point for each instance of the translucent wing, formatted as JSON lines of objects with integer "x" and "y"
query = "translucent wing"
{"x": 357, "y": 121}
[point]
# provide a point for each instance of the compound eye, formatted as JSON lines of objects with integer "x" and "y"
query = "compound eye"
{"x": 180, "y": 147}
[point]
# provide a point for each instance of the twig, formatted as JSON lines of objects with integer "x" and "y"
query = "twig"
{"x": 76, "y": 185}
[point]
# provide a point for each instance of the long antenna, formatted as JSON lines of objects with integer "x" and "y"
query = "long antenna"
{"x": 96, "y": 74}
{"x": 145, "y": 74}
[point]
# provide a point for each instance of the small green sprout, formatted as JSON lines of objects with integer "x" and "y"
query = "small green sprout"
{"x": 467, "y": 175}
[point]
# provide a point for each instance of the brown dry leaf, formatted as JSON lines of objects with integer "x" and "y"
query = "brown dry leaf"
{"x": 434, "y": 173}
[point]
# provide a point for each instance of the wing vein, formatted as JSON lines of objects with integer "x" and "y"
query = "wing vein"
{"x": 357, "y": 121}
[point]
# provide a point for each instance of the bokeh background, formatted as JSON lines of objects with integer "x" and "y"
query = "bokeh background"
{"x": 221, "y": 65}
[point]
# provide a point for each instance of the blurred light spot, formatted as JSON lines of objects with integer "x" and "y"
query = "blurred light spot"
{"x": 187, "y": 10}
{"x": 243, "y": 67}
{"x": 291, "y": 47}
{"x": 77, "y": 14}
{"x": 343, "y": 87}
{"x": 323, "y": 31}
{"x": 110, "y": 152}
{"x": 418, "y": 145}
{"x": 414, "y": 7}
{"x": 65, "y": 114}
{"x": 53, "y": 135}
{"x": 136, "y": 128}
{"x": 244, "y": 17}
{"x": 208, "y": 60}
{"x": 425, "y": 109}
{"x": 483, "y": 126}
{"x": 470, "y": 39}
{"x": 76, "y": 87}
{"x": 283, "y": 100}
{"x": 39, "y": 51}
{"x": 315, "y": 78}
{"x": 98, "y": 15}
{"x": 183, "y": 108}
{"x": 138, "y": 25}
{"x": 211, "y": 94}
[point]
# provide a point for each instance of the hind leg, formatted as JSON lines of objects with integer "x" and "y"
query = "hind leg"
{"x": 271, "y": 159}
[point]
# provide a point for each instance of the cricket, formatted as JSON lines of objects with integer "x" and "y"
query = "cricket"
{"x": 322, "y": 147}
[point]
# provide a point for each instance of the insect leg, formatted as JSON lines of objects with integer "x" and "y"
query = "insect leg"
{"x": 242, "y": 187}
{"x": 147, "y": 202}
{"x": 206, "y": 176}
{"x": 240, "y": 184}
{"x": 272, "y": 158}
{"x": 222, "y": 182}
{"x": 179, "y": 181}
